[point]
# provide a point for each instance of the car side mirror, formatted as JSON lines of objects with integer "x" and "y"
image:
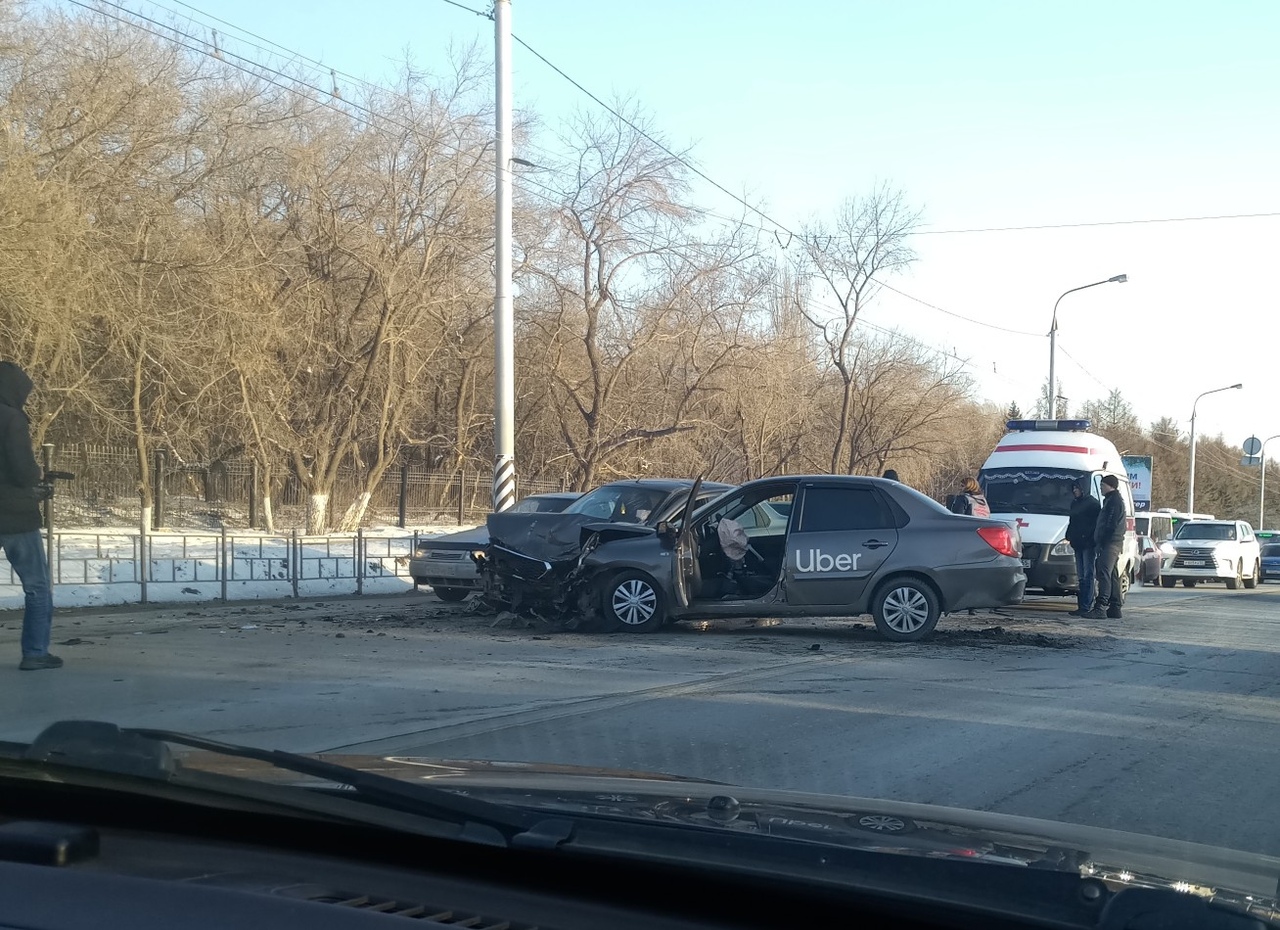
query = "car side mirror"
{"x": 666, "y": 530}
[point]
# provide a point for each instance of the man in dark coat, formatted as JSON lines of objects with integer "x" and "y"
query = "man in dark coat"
{"x": 1108, "y": 539}
{"x": 20, "y": 537}
{"x": 1084, "y": 520}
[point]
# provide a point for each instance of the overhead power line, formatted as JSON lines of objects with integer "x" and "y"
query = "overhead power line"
{"x": 1096, "y": 379}
{"x": 680, "y": 158}
{"x": 959, "y": 316}
{"x": 1132, "y": 222}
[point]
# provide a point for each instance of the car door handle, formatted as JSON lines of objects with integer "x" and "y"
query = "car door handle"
{"x": 874, "y": 544}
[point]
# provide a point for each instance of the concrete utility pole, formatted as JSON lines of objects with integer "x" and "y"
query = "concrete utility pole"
{"x": 504, "y": 376}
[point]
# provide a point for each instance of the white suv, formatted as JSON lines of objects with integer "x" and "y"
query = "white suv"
{"x": 1212, "y": 550}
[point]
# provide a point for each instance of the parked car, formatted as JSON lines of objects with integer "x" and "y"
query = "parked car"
{"x": 1213, "y": 550}
{"x": 1271, "y": 561}
{"x": 444, "y": 562}
{"x": 527, "y": 555}
{"x": 847, "y": 546}
{"x": 1149, "y": 559}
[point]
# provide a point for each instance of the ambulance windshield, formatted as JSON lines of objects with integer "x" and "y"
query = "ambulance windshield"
{"x": 1031, "y": 490}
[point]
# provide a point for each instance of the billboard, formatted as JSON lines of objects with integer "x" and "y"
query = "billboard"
{"x": 1139, "y": 469}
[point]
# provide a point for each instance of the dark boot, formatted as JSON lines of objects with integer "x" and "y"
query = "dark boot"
{"x": 1098, "y": 613}
{"x": 1113, "y": 613}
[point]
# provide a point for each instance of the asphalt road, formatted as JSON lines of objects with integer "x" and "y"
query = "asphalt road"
{"x": 1161, "y": 723}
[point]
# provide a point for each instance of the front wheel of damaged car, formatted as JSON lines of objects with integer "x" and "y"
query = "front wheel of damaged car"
{"x": 631, "y": 602}
{"x": 451, "y": 595}
{"x": 905, "y": 609}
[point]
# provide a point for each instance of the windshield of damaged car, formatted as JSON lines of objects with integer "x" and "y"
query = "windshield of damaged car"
{"x": 540, "y": 505}
{"x": 1206, "y": 531}
{"x": 619, "y": 504}
{"x": 1030, "y": 490}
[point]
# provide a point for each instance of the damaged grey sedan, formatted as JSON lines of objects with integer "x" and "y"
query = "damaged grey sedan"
{"x": 828, "y": 546}
{"x": 530, "y": 556}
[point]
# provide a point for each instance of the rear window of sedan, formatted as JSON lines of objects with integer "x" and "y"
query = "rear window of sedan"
{"x": 833, "y": 509}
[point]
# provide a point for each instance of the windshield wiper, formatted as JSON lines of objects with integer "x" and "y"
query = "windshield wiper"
{"x": 144, "y": 752}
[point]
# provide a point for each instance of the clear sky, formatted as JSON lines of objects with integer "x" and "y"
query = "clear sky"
{"x": 986, "y": 113}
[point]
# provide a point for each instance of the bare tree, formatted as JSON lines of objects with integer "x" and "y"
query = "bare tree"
{"x": 635, "y": 311}
{"x": 848, "y": 259}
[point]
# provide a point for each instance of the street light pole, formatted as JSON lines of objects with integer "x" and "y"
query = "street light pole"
{"x": 504, "y": 389}
{"x": 1053, "y": 337}
{"x": 1191, "y": 472}
{"x": 1262, "y": 484}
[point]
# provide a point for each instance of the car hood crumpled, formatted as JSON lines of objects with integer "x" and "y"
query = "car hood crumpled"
{"x": 552, "y": 537}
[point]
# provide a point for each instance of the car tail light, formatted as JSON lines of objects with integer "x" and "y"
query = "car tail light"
{"x": 999, "y": 538}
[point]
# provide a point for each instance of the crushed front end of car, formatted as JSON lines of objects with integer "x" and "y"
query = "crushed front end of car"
{"x": 536, "y": 564}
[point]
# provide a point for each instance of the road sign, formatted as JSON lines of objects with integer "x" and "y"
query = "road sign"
{"x": 1252, "y": 446}
{"x": 1253, "y": 461}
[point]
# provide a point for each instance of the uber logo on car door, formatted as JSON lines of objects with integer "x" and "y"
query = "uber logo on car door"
{"x": 815, "y": 560}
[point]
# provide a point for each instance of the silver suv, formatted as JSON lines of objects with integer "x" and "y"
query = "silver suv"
{"x": 1213, "y": 550}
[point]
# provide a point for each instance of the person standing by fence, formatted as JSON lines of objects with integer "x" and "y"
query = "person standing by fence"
{"x": 20, "y": 495}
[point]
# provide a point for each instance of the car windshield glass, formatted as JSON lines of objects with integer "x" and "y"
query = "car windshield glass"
{"x": 1206, "y": 531}
{"x": 1030, "y": 490}
{"x": 1271, "y": 551}
{"x": 620, "y": 503}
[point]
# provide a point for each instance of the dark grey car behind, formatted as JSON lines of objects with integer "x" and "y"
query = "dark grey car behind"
{"x": 821, "y": 545}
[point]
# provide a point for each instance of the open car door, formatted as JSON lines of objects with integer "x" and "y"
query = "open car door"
{"x": 684, "y": 552}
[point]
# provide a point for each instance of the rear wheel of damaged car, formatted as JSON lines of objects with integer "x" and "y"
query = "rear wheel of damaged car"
{"x": 452, "y": 595}
{"x": 905, "y": 609}
{"x": 631, "y": 602}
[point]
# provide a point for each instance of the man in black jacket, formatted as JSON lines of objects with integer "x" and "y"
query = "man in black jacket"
{"x": 20, "y": 518}
{"x": 1084, "y": 520}
{"x": 1108, "y": 539}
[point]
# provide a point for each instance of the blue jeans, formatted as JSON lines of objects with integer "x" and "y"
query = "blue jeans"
{"x": 25, "y": 552}
{"x": 1085, "y": 562}
{"x": 1108, "y": 577}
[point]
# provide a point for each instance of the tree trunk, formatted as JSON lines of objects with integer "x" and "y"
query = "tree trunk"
{"x": 842, "y": 428}
{"x": 268, "y": 514}
{"x": 355, "y": 512}
{"x": 317, "y": 512}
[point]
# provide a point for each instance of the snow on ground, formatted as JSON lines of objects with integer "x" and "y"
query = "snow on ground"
{"x": 99, "y": 567}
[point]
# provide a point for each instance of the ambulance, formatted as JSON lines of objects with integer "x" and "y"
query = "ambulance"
{"x": 1027, "y": 481}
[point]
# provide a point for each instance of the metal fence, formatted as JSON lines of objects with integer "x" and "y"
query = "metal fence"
{"x": 105, "y": 492}
{"x": 167, "y": 567}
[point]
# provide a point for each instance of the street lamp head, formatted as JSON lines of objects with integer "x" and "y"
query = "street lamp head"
{"x": 1235, "y": 387}
{"x": 1118, "y": 279}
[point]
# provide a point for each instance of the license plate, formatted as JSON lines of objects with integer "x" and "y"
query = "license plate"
{"x": 1026, "y": 563}
{"x": 1193, "y": 562}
